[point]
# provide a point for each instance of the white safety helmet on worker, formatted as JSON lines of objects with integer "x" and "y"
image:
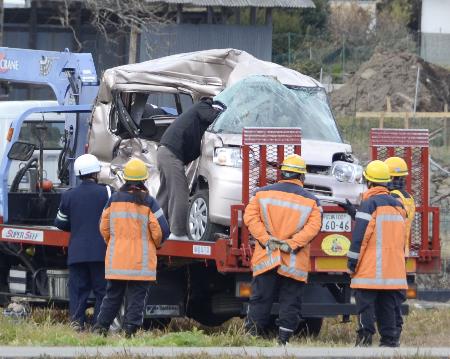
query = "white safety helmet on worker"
{"x": 86, "y": 164}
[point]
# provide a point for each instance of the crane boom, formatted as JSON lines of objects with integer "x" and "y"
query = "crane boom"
{"x": 64, "y": 72}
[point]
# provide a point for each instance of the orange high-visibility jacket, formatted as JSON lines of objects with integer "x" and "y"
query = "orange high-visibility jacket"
{"x": 286, "y": 211}
{"x": 132, "y": 233}
{"x": 409, "y": 204}
{"x": 378, "y": 242}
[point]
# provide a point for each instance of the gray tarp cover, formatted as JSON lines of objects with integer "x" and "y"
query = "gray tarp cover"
{"x": 203, "y": 72}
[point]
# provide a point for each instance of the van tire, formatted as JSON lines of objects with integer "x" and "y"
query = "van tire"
{"x": 199, "y": 226}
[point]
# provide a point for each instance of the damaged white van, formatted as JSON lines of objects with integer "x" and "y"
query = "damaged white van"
{"x": 137, "y": 102}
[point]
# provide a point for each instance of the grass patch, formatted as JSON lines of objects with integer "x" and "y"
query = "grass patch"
{"x": 357, "y": 133}
{"x": 45, "y": 327}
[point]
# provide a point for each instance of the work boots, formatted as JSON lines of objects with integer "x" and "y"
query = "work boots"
{"x": 129, "y": 330}
{"x": 364, "y": 339}
{"x": 284, "y": 335}
{"x": 100, "y": 330}
{"x": 391, "y": 342}
{"x": 397, "y": 337}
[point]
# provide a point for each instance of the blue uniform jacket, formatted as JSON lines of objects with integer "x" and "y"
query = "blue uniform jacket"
{"x": 79, "y": 213}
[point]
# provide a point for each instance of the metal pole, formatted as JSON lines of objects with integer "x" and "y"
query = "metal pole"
{"x": 417, "y": 91}
{"x": 289, "y": 48}
{"x": 343, "y": 56}
{"x": 132, "y": 49}
{"x": 321, "y": 75}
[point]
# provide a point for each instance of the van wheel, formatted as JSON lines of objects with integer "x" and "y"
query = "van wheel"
{"x": 199, "y": 225}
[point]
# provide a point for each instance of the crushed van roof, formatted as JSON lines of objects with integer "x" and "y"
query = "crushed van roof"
{"x": 204, "y": 72}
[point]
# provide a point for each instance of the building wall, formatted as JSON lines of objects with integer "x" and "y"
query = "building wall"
{"x": 435, "y": 31}
{"x": 174, "y": 39}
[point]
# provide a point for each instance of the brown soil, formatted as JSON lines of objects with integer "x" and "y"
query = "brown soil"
{"x": 394, "y": 75}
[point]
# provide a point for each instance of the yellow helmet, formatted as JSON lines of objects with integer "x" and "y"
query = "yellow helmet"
{"x": 294, "y": 163}
{"x": 397, "y": 166}
{"x": 135, "y": 170}
{"x": 377, "y": 172}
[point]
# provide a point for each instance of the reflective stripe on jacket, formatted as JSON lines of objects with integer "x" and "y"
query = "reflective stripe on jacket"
{"x": 286, "y": 211}
{"x": 378, "y": 242}
{"x": 132, "y": 232}
{"x": 410, "y": 206}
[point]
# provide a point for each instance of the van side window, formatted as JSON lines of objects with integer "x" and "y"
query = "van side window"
{"x": 145, "y": 115}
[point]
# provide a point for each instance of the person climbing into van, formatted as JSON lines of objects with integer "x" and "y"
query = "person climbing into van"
{"x": 376, "y": 259}
{"x": 399, "y": 171}
{"x": 133, "y": 226}
{"x": 180, "y": 145}
{"x": 283, "y": 218}
{"x": 79, "y": 213}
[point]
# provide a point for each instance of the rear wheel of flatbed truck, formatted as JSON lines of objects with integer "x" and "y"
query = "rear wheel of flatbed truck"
{"x": 213, "y": 310}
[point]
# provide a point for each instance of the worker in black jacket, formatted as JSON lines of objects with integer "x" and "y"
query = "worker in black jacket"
{"x": 79, "y": 213}
{"x": 179, "y": 146}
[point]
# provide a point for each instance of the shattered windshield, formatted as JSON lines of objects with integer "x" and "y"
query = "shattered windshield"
{"x": 261, "y": 101}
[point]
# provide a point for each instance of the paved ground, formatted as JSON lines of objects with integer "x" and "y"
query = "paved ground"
{"x": 273, "y": 352}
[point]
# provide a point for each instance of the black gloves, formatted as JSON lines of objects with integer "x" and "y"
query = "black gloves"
{"x": 349, "y": 207}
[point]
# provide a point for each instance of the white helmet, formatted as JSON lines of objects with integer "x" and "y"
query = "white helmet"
{"x": 86, "y": 164}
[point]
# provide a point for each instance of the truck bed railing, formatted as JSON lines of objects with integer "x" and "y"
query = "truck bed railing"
{"x": 413, "y": 146}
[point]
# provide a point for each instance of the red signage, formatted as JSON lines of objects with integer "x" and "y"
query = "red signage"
{"x": 7, "y": 64}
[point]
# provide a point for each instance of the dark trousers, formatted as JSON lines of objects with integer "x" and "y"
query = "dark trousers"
{"x": 400, "y": 298}
{"x": 379, "y": 305}
{"x": 84, "y": 278}
{"x": 173, "y": 191}
{"x": 266, "y": 288}
{"x": 135, "y": 294}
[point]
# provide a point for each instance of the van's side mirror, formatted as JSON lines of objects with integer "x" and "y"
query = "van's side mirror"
{"x": 21, "y": 151}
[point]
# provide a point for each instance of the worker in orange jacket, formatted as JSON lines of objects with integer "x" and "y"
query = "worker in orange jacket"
{"x": 283, "y": 218}
{"x": 133, "y": 226}
{"x": 376, "y": 259}
{"x": 399, "y": 170}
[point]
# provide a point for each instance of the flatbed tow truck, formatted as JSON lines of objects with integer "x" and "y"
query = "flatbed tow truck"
{"x": 210, "y": 280}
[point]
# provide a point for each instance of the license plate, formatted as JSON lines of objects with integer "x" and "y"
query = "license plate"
{"x": 336, "y": 222}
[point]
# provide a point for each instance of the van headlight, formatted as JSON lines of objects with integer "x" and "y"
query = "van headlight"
{"x": 228, "y": 156}
{"x": 347, "y": 172}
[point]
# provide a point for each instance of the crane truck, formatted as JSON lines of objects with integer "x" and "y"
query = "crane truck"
{"x": 208, "y": 277}
{"x": 27, "y": 206}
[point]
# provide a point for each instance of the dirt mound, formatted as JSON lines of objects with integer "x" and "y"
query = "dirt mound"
{"x": 394, "y": 75}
